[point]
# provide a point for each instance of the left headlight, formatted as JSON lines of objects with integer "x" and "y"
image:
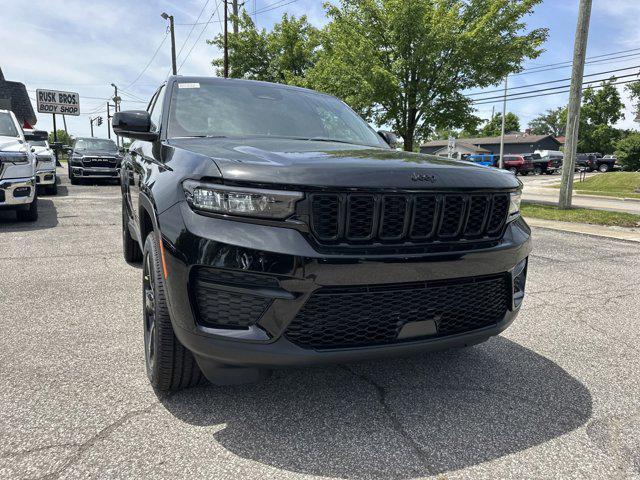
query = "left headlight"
{"x": 247, "y": 202}
{"x": 514, "y": 205}
{"x": 14, "y": 157}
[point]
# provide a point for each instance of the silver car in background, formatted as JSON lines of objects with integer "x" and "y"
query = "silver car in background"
{"x": 45, "y": 167}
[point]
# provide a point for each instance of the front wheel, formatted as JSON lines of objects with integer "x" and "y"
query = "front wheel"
{"x": 537, "y": 171}
{"x": 52, "y": 189}
{"x": 170, "y": 366}
{"x": 72, "y": 178}
{"x": 604, "y": 168}
{"x": 30, "y": 214}
{"x": 514, "y": 170}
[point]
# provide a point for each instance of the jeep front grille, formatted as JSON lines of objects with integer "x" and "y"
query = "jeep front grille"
{"x": 370, "y": 218}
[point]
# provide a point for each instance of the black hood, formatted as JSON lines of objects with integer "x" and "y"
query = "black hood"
{"x": 337, "y": 165}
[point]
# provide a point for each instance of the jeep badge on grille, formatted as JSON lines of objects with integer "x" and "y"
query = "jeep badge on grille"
{"x": 423, "y": 177}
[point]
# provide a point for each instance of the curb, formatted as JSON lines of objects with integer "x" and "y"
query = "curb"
{"x": 616, "y": 233}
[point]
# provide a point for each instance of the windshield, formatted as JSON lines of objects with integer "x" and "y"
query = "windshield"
{"x": 95, "y": 144}
{"x": 246, "y": 109}
{"x": 7, "y": 127}
{"x": 38, "y": 143}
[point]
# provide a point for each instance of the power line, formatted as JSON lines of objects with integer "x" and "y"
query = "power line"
{"x": 216, "y": 12}
{"x": 588, "y": 58}
{"x": 513, "y": 95}
{"x": 192, "y": 28}
{"x": 164, "y": 38}
{"x": 602, "y": 61}
{"x": 273, "y": 6}
{"x": 552, "y": 81}
{"x": 552, "y": 93}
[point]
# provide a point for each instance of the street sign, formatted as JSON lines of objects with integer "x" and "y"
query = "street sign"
{"x": 54, "y": 101}
{"x": 451, "y": 146}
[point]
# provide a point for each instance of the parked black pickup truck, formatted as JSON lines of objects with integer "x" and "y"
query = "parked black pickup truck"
{"x": 595, "y": 162}
{"x": 94, "y": 159}
{"x": 276, "y": 228}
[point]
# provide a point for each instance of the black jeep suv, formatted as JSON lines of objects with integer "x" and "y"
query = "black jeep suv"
{"x": 276, "y": 228}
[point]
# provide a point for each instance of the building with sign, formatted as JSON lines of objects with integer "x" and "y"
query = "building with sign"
{"x": 514, "y": 143}
{"x": 14, "y": 97}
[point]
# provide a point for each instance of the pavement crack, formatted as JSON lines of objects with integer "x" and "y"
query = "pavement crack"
{"x": 395, "y": 423}
{"x": 101, "y": 435}
{"x": 29, "y": 451}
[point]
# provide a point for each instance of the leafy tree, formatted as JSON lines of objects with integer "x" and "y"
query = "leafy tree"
{"x": 634, "y": 93}
{"x": 405, "y": 63}
{"x": 600, "y": 110}
{"x": 628, "y": 151}
{"x": 552, "y": 122}
{"x": 283, "y": 55}
{"x": 493, "y": 127}
{"x": 63, "y": 137}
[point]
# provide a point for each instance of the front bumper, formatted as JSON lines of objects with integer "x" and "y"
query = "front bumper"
{"x": 46, "y": 177}
{"x": 191, "y": 240}
{"x": 96, "y": 172}
{"x": 17, "y": 191}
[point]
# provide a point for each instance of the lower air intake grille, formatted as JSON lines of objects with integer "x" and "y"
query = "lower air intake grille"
{"x": 219, "y": 307}
{"x": 374, "y": 315}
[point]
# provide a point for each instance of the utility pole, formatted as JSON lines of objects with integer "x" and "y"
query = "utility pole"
{"x": 166, "y": 16}
{"x": 108, "y": 121}
{"x": 235, "y": 17}
{"x": 226, "y": 39}
{"x": 91, "y": 123}
{"x": 55, "y": 140}
{"x": 116, "y": 107}
{"x": 575, "y": 98}
{"x": 504, "y": 114}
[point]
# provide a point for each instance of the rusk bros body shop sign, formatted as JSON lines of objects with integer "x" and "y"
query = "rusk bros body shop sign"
{"x": 53, "y": 101}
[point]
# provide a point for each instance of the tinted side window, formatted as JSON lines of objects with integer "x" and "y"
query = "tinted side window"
{"x": 156, "y": 111}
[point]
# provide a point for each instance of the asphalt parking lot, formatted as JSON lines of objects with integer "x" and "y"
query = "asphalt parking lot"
{"x": 556, "y": 396}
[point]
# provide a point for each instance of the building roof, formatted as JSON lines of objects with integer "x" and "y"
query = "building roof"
{"x": 513, "y": 138}
{"x": 465, "y": 144}
{"x": 14, "y": 97}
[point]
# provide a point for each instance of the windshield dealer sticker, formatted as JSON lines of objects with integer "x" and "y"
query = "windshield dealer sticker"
{"x": 188, "y": 85}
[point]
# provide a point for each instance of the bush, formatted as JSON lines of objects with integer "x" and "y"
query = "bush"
{"x": 628, "y": 152}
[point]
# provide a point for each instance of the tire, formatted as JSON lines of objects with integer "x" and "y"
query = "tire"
{"x": 29, "y": 214}
{"x": 52, "y": 189}
{"x": 604, "y": 168}
{"x": 514, "y": 170}
{"x": 537, "y": 171}
{"x": 549, "y": 172}
{"x": 524, "y": 174}
{"x": 170, "y": 366}
{"x": 72, "y": 178}
{"x": 130, "y": 247}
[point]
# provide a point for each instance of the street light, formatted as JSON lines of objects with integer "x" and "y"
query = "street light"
{"x": 166, "y": 16}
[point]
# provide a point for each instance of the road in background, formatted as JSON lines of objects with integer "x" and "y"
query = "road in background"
{"x": 536, "y": 189}
{"x": 555, "y": 396}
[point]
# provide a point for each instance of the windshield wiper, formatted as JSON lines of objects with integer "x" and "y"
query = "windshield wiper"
{"x": 326, "y": 139}
{"x": 202, "y": 136}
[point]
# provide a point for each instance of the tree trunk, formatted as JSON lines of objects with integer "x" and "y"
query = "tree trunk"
{"x": 407, "y": 136}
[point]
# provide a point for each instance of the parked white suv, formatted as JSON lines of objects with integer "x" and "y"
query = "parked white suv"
{"x": 45, "y": 166}
{"x": 18, "y": 168}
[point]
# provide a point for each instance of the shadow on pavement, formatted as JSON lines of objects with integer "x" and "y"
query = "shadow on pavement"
{"x": 396, "y": 418}
{"x": 47, "y": 218}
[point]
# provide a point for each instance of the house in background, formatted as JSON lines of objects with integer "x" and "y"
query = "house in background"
{"x": 14, "y": 97}
{"x": 514, "y": 143}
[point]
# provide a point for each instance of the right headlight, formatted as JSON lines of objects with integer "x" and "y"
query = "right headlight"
{"x": 514, "y": 205}
{"x": 246, "y": 202}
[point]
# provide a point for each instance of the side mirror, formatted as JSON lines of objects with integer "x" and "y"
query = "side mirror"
{"x": 133, "y": 124}
{"x": 36, "y": 135}
{"x": 389, "y": 137}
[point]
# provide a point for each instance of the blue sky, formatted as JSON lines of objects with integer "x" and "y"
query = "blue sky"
{"x": 84, "y": 46}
